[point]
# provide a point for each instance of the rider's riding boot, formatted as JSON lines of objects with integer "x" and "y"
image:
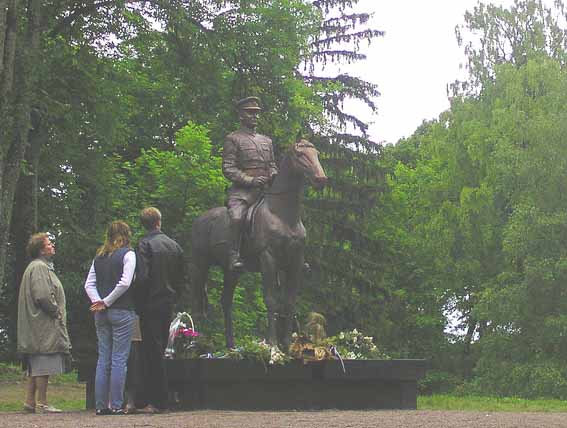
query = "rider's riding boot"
{"x": 235, "y": 263}
{"x": 285, "y": 323}
{"x": 272, "y": 328}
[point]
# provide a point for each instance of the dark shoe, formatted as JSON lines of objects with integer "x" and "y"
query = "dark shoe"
{"x": 103, "y": 412}
{"x": 117, "y": 412}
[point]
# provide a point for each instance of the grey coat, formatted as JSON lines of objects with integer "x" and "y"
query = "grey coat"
{"x": 42, "y": 317}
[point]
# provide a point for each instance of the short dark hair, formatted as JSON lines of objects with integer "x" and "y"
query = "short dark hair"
{"x": 36, "y": 244}
{"x": 150, "y": 218}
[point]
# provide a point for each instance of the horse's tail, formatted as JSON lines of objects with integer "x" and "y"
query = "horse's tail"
{"x": 203, "y": 239}
{"x": 199, "y": 269}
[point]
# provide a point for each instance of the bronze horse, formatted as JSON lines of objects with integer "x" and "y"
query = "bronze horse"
{"x": 274, "y": 245}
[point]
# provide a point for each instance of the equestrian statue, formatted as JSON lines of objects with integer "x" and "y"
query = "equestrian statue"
{"x": 260, "y": 229}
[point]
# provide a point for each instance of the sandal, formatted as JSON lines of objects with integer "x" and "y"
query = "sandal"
{"x": 28, "y": 408}
{"x": 130, "y": 410}
{"x": 46, "y": 408}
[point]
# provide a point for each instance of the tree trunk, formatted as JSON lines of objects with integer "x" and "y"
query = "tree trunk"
{"x": 3, "y": 25}
{"x": 467, "y": 357}
{"x": 24, "y": 221}
{"x": 16, "y": 91}
{"x": 25, "y": 214}
{"x": 8, "y": 37}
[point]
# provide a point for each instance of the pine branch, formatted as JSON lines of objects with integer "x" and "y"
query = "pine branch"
{"x": 347, "y": 38}
{"x": 336, "y": 55}
{"x": 81, "y": 11}
{"x": 353, "y": 18}
{"x": 353, "y": 87}
{"x": 327, "y": 5}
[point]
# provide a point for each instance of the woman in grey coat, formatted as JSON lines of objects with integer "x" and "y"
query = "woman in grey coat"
{"x": 42, "y": 331}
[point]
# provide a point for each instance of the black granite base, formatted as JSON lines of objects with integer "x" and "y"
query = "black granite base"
{"x": 249, "y": 385}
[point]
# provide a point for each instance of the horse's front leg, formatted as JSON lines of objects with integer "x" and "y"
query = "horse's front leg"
{"x": 229, "y": 285}
{"x": 269, "y": 285}
{"x": 290, "y": 287}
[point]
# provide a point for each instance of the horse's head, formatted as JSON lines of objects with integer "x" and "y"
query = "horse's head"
{"x": 305, "y": 159}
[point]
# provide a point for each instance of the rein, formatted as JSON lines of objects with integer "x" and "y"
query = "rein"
{"x": 283, "y": 192}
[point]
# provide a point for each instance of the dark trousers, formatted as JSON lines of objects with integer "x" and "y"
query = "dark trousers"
{"x": 155, "y": 330}
{"x": 135, "y": 376}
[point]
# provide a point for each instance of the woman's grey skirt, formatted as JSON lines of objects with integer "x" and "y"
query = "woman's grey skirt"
{"x": 46, "y": 364}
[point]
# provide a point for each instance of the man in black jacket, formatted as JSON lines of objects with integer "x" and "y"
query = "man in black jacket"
{"x": 161, "y": 259}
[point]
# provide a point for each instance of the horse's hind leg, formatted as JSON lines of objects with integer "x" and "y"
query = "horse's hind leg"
{"x": 230, "y": 280}
{"x": 269, "y": 285}
{"x": 199, "y": 297}
{"x": 290, "y": 288}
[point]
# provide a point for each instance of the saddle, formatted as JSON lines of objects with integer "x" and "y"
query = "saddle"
{"x": 250, "y": 215}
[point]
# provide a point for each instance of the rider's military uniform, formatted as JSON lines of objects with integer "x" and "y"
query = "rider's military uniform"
{"x": 246, "y": 155}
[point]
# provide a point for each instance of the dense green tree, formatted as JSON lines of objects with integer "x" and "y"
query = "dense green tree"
{"x": 482, "y": 191}
{"x": 119, "y": 80}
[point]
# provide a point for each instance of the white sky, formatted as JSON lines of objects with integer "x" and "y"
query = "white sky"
{"x": 413, "y": 63}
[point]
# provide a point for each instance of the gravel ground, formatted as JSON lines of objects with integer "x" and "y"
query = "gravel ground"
{"x": 326, "y": 419}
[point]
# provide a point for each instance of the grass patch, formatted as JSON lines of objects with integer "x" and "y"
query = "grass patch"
{"x": 64, "y": 396}
{"x": 13, "y": 373}
{"x": 10, "y": 372}
{"x": 489, "y": 404}
{"x": 63, "y": 392}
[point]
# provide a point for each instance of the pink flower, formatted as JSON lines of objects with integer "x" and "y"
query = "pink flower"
{"x": 189, "y": 332}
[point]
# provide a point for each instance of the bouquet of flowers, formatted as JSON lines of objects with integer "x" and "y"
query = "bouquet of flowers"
{"x": 251, "y": 348}
{"x": 184, "y": 341}
{"x": 353, "y": 345}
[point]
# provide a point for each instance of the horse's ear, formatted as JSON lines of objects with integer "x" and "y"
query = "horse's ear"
{"x": 294, "y": 149}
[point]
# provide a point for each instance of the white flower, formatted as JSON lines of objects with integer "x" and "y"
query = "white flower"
{"x": 276, "y": 355}
{"x": 355, "y": 331}
{"x": 341, "y": 335}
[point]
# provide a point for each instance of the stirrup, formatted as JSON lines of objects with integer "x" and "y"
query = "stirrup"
{"x": 236, "y": 264}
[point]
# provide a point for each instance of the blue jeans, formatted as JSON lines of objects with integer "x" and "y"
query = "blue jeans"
{"x": 114, "y": 329}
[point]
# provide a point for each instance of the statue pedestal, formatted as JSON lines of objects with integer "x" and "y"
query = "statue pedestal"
{"x": 248, "y": 385}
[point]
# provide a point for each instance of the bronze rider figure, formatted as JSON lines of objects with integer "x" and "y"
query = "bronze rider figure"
{"x": 248, "y": 162}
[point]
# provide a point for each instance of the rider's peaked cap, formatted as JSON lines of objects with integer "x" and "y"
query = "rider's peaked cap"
{"x": 249, "y": 103}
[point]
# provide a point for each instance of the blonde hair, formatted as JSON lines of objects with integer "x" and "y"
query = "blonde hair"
{"x": 117, "y": 236}
{"x": 150, "y": 218}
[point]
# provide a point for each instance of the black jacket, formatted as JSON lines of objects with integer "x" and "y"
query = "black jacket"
{"x": 161, "y": 277}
